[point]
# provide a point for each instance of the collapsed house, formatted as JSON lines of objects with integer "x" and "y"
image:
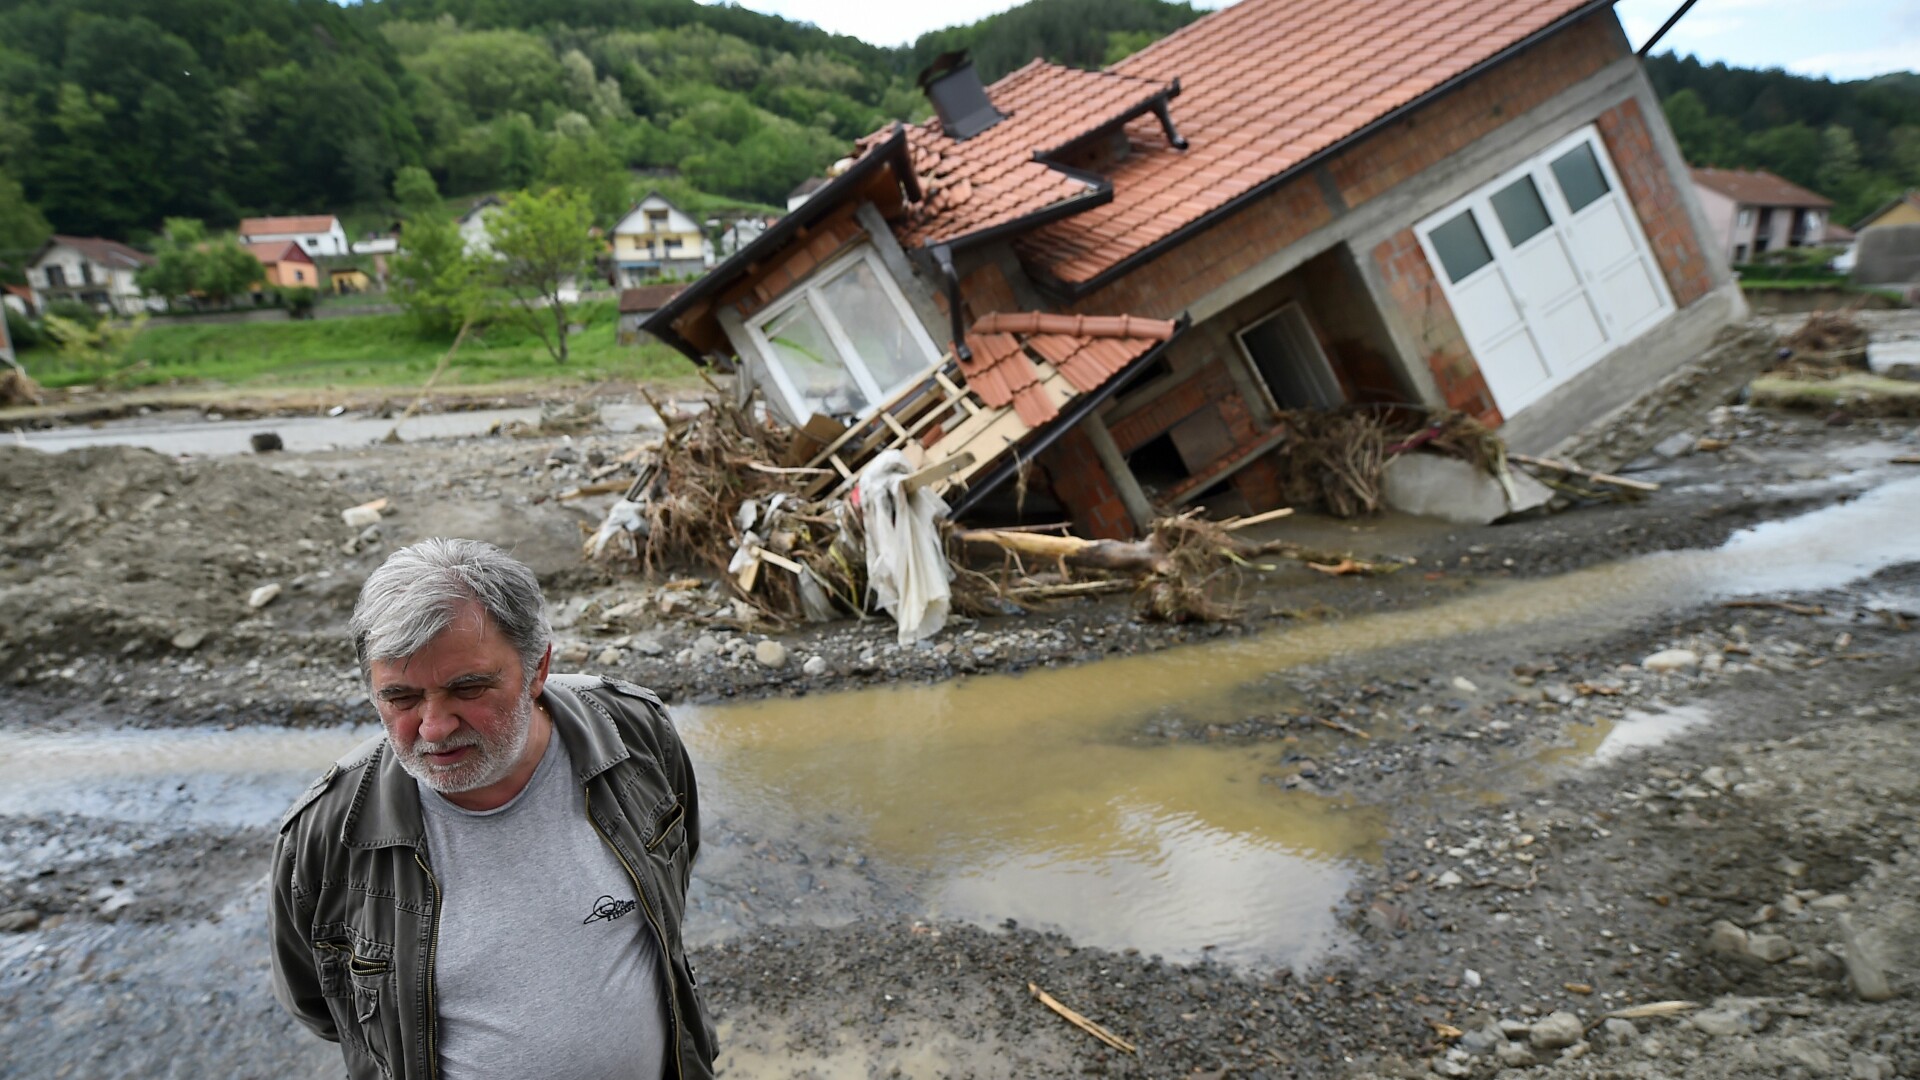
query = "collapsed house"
{"x": 1115, "y": 284}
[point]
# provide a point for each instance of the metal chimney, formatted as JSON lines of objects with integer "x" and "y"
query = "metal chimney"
{"x": 957, "y": 95}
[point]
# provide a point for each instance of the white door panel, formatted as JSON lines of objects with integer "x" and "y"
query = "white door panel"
{"x": 1577, "y": 285}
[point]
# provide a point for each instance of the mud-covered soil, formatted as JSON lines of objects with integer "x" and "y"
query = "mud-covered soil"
{"x": 1520, "y": 875}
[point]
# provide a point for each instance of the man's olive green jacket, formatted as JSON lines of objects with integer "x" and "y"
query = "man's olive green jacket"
{"x": 356, "y": 909}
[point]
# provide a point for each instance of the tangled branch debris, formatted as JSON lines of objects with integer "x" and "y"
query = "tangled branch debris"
{"x": 1829, "y": 343}
{"x": 18, "y": 388}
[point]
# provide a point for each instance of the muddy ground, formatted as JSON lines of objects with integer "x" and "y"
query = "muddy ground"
{"x": 1525, "y": 869}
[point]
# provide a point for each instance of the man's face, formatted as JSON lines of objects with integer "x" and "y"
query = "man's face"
{"x": 459, "y": 712}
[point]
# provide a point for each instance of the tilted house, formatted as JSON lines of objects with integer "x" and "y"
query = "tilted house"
{"x": 1132, "y": 273}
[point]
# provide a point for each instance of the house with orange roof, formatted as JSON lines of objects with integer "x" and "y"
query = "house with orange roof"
{"x": 1752, "y": 212}
{"x": 317, "y": 234}
{"x": 1118, "y": 284}
{"x": 285, "y": 265}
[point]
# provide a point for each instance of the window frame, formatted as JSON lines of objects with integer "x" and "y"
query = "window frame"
{"x": 807, "y": 291}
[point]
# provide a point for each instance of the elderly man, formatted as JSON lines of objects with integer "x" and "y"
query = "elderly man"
{"x": 493, "y": 887}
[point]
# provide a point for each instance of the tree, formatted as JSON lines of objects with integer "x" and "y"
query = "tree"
{"x": 189, "y": 264}
{"x": 544, "y": 250}
{"x": 434, "y": 278}
{"x": 579, "y": 160}
{"x": 22, "y": 229}
{"x": 415, "y": 191}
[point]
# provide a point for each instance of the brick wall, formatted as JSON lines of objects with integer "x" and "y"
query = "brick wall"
{"x": 1206, "y": 386}
{"x": 1416, "y": 292}
{"x": 821, "y": 244}
{"x": 1082, "y": 485}
{"x": 1657, "y": 201}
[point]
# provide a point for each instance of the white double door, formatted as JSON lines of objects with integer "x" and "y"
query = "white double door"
{"x": 1547, "y": 269}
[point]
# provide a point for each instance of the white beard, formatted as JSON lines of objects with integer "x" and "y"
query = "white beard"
{"x": 489, "y": 764}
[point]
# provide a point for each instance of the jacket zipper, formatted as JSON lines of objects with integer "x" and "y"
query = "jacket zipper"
{"x": 666, "y": 957}
{"x": 433, "y": 946}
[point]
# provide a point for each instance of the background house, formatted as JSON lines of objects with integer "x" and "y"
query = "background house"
{"x": 285, "y": 265}
{"x": 656, "y": 239}
{"x": 317, "y": 235}
{"x": 637, "y": 304}
{"x": 804, "y": 191}
{"x": 1904, "y": 210}
{"x": 1752, "y": 212}
{"x": 1483, "y": 211}
{"x": 94, "y": 271}
{"x": 475, "y": 225}
{"x": 1887, "y": 250}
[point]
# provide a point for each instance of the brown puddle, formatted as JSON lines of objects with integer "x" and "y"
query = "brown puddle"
{"x": 1028, "y": 796}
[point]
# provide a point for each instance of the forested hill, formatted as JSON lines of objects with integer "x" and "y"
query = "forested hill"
{"x": 115, "y": 114}
{"x": 1857, "y": 143}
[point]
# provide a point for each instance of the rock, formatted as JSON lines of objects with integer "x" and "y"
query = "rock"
{"x": 815, "y": 666}
{"x": 770, "y": 654}
{"x": 263, "y": 595}
{"x": 1515, "y": 1055}
{"x": 1831, "y": 902}
{"x": 1464, "y": 685}
{"x": 1676, "y": 445}
{"x": 572, "y": 652}
{"x": 1455, "y": 490}
{"x": 608, "y": 657}
{"x": 647, "y": 645}
{"x": 1771, "y": 948}
{"x": 1448, "y": 880}
{"x": 704, "y": 646}
{"x": 19, "y": 921}
{"x": 1557, "y": 1030}
{"x": 1671, "y": 660}
{"x": 1515, "y": 1029}
{"x": 1800, "y": 1050}
{"x": 1454, "y": 1064}
{"x": 1730, "y": 1017}
{"x": 189, "y": 640}
{"x": 1726, "y": 939}
{"x": 1864, "y": 1066}
{"x": 1621, "y": 1032}
{"x": 1864, "y": 969}
{"x": 359, "y": 517}
{"x": 1558, "y": 693}
{"x": 265, "y": 442}
{"x": 1483, "y": 1040}
{"x": 1471, "y": 978}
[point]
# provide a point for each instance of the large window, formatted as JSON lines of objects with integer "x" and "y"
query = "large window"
{"x": 844, "y": 341}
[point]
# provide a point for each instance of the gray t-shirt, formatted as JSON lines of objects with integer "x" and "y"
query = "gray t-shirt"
{"x": 546, "y": 964}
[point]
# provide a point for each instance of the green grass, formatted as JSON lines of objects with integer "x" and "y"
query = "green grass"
{"x": 371, "y": 351}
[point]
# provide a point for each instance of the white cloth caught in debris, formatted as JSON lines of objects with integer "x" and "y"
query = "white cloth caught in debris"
{"x": 906, "y": 567}
{"x": 622, "y": 520}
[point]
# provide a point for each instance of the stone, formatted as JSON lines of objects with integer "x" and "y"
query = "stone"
{"x": 359, "y": 517}
{"x": 1667, "y": 660}
{"x": 770, "y": 654}
{"x": 1730, "y": 1017}
{"x": 1621, "y": 1032}
{"x": 1676, "y": 445}
{"x": 1556, "y": 1030}
{"x": 1831, "y": 902}
{"x": 1453, "y": 1064}
{"x": 1464, "y": 685}
{"x": 189, "y": 640}
{"x": 1864, "y": 1066}
{"x": 647, "y": 645}
{"x": 1483, "y": 1040}
{"x": 572, "y": 652}
{"x": 1771, "y": 948}
{"x": 1471, "y": 978}
{"x": 266, "y": 442}
{"x": 19, "y": 921}
{"x": 1726, "y": 939}
{"x": 815, "y": 666}
{"x": 1800, "y": 1050}
{"x": 1515, "y": 1029}
{"x": 704, "y": 646}
{"x": 1455, "y": 490}
{"x": 263, "y": 595}
{"x": 1448, "y": 880}
{"x": 1515, "y": 1055}
{"x": 1864, "y": 969}
{"x": 608, "y": 657}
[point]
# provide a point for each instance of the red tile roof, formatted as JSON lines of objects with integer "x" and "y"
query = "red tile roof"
{"x": 287, "y": 226}
{"x": 992, "y": 178}
{"x": 1013, "y": 352}
{"x": 1266, "y": 85}
{"x": 647, "y": 298}
{"x": 274, "y": 251}
{"x": 1757, "y": 187}
{"x": 100, "y": 250}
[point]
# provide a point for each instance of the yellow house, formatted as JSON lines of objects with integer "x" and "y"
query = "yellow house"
{"x": 1904, "y": 210}
{"x": 348, "y": 280}
{"x": 656, "y": 239}
{"x": 285, "y": 265}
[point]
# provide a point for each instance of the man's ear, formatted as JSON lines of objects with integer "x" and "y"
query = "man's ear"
{"x": 540, "y": 673}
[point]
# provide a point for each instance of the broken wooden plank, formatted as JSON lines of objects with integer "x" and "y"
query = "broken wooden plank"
{"x": 1081, "y": 1022}
{"x": 1258, "y": 519}
{"x": 1137, "y": 556}
{"x": 936, "y": 472}
{"x": 1780, "y": 605}
{"x": 1596, "y": 477}
{"x": 603, "y": 487}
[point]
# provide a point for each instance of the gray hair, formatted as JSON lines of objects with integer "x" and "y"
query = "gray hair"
{"x": 415, "y": 594}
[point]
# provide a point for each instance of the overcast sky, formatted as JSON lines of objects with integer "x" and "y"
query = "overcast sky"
{"x": 1839, "y": 39}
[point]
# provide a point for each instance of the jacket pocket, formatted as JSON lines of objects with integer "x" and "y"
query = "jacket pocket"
{"x": 356, "y": 980}
{"x": 670, "y": 830}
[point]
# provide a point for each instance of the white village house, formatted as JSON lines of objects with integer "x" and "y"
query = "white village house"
{"x": 476, "y": 230}
{"x": 317, "y": 234}
{"x": 92, "y": 270}
{"x": 657, "y": 239}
